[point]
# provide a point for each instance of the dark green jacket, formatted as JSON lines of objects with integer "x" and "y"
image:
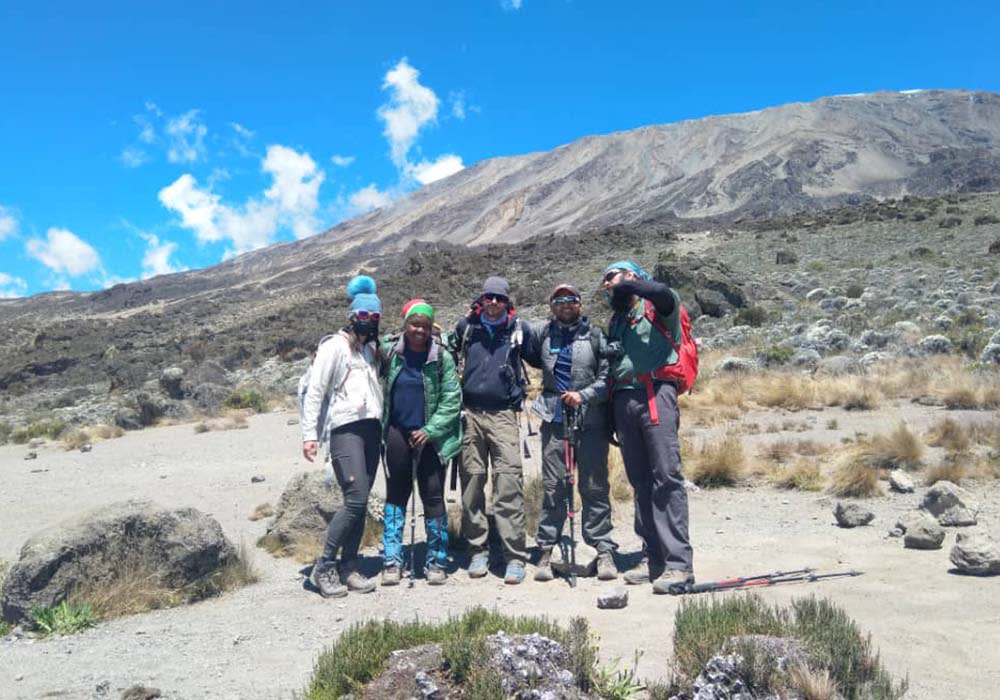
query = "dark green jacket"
{"x": 442, "y": 396}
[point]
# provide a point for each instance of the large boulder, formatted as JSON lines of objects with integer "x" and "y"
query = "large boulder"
{"x": 303, "y": 513}
{"x": 186, "y": 545}
{"x": 952, "y": 505}
{"x": 976, "y": 553}
{"x": 921, "y": 531}
{"x": 852, "y": 514}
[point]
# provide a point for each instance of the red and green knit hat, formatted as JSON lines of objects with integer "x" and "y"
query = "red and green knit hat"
{"x": 418, "y": 306}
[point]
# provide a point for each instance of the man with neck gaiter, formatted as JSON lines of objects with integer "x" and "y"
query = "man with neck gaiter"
{"x": 489, "y": 342}
{"x": 570, "y": 353}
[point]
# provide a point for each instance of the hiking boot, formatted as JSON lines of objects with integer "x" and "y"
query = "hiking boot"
{"x": 355, "y": 580}
{"x": 645, "y": 572}
{"x": 479, "y": 565}
{"x": 436, "y": 576}
{"x": 391, "y": 575}
{"x": 515, "y": 573}
{"x": 606, "y": 569}
{"x": 326, "y": 579}
{"x": 673, "y": 581}
{"x": 543, "y": 570}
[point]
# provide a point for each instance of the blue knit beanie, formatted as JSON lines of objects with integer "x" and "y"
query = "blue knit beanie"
{"x": 628, "y": 265}
{"x": 361, "y": 289}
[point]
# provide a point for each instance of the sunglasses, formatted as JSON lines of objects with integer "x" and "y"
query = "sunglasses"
{"x": 363, "y": 315}
{"x": 611, "y": 274}
{"x": 566, "y": 300}
{"x": 494, "y": 298}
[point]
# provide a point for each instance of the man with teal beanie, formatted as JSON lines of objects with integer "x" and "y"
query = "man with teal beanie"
{"x": 647, "y": 420}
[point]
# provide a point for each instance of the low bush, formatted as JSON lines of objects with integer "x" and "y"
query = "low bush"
{"x": 835, "y": 646}
{"x": 361, "y": 652}
{"x": 50, "y": 428}
{"x": 854, "y": 478}
{"x": 718, "y": 463}
{"x": 246, "y": 398}
{"x": 900, "y": 449}
{"x": 854, "y": 290}
{"x": 64, "y": 618}
{"x": 949, "y": 434}
{"x": 803, "y": 476}
{"x": 754, "y": 316}
{"x": 952, "y": 470}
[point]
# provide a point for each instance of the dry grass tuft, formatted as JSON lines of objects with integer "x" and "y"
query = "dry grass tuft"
{"x": 853, "y": 477}
{"x": 719, "y": 463}
{"x": 264, "y": 510}
{"x": 813, "y": 684}
{"x": 304, "y": 550}
{"x": 804, "y": 475}
{"x": 961, "y": 396}
{"x": 952, "y": 470}
{"x": 900, "y": 449}
{"x": 779, "y": 452}
{"x": 949, "y": 434}
{"x": 784, "y": 390}
{"x": 235, "y": 420}
{"x": 621, "y": 489}
{"x": 75, "y": 439}
{"x": 862, "y": 398}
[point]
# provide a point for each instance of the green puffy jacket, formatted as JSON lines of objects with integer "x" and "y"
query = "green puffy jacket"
{"x": 442, "y": 396}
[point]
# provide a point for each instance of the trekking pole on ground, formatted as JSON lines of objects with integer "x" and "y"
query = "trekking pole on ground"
{"x": 569, "y": 447}
{"x": 806, "y": 575}
{"x": 414, "y": 462}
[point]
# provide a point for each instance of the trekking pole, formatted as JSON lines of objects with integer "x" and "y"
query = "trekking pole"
{"x": 531, "y": 432}
{"x": 415, "y": 453}
{"x": 569, "y": 446}
{"x": 803, "y": 575}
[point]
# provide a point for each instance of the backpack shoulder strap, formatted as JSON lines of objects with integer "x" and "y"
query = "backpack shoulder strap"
{"x": 649, "y": 312}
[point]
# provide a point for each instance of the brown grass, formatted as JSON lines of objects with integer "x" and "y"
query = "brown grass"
{"x": 779, "y": 452}
{"x": 235, "y": 420}
{"x": 814, "y": 684}
{"x": 985, "y": 433}
{"x": 853, "y": 477}
{"x": 962, "y": 396}
{"x": 304, "y": 550}
{"x": 621, "y": 489}
{"x": 718, "y": 463}
{"x": 75, "y": 439}
{"x": 951, "y": 470}
{"x": 900, "y": 449}
{"x": 784, "y": 390}
{"x": 949, "y": 434}
{"x": 803, "y": 475}
{"x": 264, "y": 510}
{"x": 138, "y": 584}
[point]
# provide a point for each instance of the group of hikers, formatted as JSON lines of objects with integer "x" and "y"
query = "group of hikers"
{"x": 424, "y": 397}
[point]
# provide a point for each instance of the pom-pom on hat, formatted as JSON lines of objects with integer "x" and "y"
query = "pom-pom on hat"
{"x": 361, "y": 289}
{"x": 418, "y": 306}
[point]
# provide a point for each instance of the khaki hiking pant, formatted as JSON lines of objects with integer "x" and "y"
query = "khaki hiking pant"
{"x": 492, "y": 437}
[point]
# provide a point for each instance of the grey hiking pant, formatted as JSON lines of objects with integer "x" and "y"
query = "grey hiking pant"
{"x": 592, "y": 477}
{"x": 652, "y": 457}
{"x": 354, "y": 451}
{"x": 493, "y": 436}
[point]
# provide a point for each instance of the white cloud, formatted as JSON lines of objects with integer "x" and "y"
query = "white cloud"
{"x": 64, "y": 252}
{"x": 368, "y": 198}
{"x": 8, "y": 223}
{"x": 295, "y": 190}
{"x": 242, "y": 130}
{"x": 156, "y": 260}
{"x": 341, "y": 161}
{"x": 457, "y": 100}
{"x": 187, "y": 138}
{"x": 291, "y": 200}
{"x": 133, "y": 157}
{"x": 12, "y": 287}
{"x": 426, "y": 172}
{"x": 510, "y": 4}
{"x": 411, "y": 106}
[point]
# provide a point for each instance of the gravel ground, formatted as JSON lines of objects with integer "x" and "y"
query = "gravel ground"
{"x": 261, "y": 641}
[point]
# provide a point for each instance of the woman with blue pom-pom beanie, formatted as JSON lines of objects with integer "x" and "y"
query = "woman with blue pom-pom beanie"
{"x": 345, "y": 375}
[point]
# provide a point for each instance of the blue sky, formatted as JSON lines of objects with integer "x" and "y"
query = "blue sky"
{"x": 135, "y": 142}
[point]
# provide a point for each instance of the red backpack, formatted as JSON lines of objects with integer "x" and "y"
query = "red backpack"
{"x": 683, "y": 372}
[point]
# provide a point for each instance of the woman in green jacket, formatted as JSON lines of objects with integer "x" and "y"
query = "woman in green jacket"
{"x": 421, "y": 427}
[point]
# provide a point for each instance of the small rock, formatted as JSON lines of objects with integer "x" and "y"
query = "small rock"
{"x": 921, "y": 530}
{"x": 31, "y": 455}
{"x": 292, "y": 421}
{"x": 614, "y": 599}
{"x": 257, "y": 479}
{"x": 976, "y": 553}
{"x": 141, "y": 692}
{"x": 86, "y": 448}
{"x": 901, "y": 482}
{"x": 19, "y": 678}
{"x": 950, "y": 504}
{"x": 852, "y": 514}
{"x": 102, "y": 689}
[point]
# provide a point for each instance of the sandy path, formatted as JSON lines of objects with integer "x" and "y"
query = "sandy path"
{"x": 261, "y": 642}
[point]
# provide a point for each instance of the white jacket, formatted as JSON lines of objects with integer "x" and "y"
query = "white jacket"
{"x": 350, "y": 378}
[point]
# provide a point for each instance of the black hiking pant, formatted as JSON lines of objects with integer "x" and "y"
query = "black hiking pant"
{"x": 399, "y": 474}
{"x": 354, "y": 451}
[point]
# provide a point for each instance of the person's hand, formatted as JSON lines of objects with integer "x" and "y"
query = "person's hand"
{"x": 572, "y": 398}
{"x": 418, "y": 438}
{"x": 309, "y": 450}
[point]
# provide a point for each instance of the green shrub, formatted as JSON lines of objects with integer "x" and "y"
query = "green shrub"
{"x": 776, "y": 355}
{"x": 833, "y": 642}
{"x": 50, "y": 428}
{"x": 246, "y": 398}
{"x": 360, "y": 653}
{"x": 854, "y": 290}
{"x": 754, "y": 316}
{"x": 65, "y": 618}
{"x": 5, "y": 432}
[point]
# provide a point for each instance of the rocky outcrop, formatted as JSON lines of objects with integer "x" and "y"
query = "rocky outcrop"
{"x": 186, "y": 545}
{"x": 303, "y": 513}
{"x": 952, "y": 505}
{"x": 976, "y": 553}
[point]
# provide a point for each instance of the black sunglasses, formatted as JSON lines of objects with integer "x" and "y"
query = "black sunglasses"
{"x": 498, "y": 298}
{"x": 611, "y": 274}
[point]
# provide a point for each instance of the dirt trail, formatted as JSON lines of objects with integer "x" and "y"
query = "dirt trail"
{"x": 261, "y": 642}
